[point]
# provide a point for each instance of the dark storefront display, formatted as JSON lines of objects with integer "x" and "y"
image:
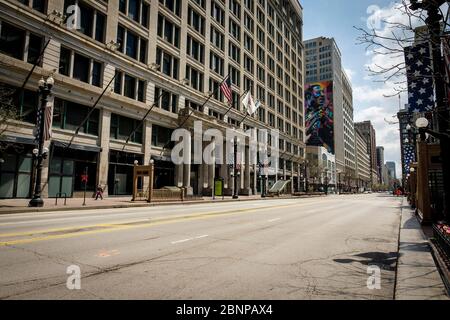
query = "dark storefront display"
{"x": 120, "y": 173}
{"x": 16, "y": 171}
{"x": 66, "y": 168}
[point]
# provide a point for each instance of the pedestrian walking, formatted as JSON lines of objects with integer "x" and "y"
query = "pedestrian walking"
{"x": 99, "y": 193}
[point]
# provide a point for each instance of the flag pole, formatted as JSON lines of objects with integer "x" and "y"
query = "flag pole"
{"x": 141, "y": 123}
{"x": 232, "y": 103}
{"x": 192, "y": 111}
{"x": 90, "y": 112}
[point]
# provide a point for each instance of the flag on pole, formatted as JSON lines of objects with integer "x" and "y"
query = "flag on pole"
{"x": 250, "y": 104}
{"x": 225, "y": 87}
{"x": 420, "y": 78}
{"x": 48, "y": 119}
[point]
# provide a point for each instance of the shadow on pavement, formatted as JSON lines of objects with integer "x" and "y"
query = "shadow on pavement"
{"x": 385, "y": 261}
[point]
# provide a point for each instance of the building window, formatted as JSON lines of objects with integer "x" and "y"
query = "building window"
{"x": 248, "y": 63}
{"x": 161, "y": 136}
{"x": 248, "y": 42}
{"x": 93, "y": 22}
{"x": 235, "y": 75}
{"x": 248, "y": 22}
{"x": 122, "y": 127}
{"x": 190, "y": 105}
{"x": 167, "y": 100}
{"x": 217, "y": 38}
{"x": 196, "y": 21}
{"x": 235, "y": 30}
{"x": 136, "y": 10}
{"x": 214, "y": 87}
{"x": 169, "y": 65}
{"x": 168, "y": 31}
{"x": 216, "y": 63}
{"x": 195, "y": 49}
{"x": 234, "y": 52}
{"x": 38, "y": 5}
{"x": 70, "y": 115}
{"x": 235, "y": 8}
{"x": 172, "y": 5}
{"x": 218, "y": 13}
{"x": 195, "y": 78}
{"x": 79, "y": 67}
{"x": 131, "y": 44}
{"x": 19, "y": 44}
{"x": 129, "y": 86}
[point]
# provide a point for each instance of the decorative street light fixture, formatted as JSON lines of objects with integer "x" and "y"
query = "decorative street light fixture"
{"x": 236, "y": 173}
{"x": 41, "y": 153}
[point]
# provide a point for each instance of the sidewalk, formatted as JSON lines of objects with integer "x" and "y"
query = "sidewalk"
{"x": 10, "y": 206}
{"x": 417, "y": 275}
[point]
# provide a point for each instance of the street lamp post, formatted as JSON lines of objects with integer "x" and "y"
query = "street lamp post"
{"x": 236, "y": 172}
{"x": 41, "y": 153}
{"x": 433, "y": 21}
{"x": 306, "y": 177}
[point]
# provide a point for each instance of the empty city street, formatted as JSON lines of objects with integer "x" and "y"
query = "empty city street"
{"x": 313, "y": 248}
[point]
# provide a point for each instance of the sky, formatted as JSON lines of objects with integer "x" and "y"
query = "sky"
{"x": 337, "y": 18}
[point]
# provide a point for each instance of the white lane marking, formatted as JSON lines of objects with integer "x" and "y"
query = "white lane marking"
{"x": 190, "y": 239}
{"x": 182, "y": 241}
{"x": 274, "y": 220}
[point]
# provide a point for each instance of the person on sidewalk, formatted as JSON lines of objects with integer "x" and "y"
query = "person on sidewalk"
{"x": 99, "y": 193}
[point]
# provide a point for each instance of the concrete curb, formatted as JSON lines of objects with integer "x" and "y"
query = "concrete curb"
{"x": 144, "y": 205}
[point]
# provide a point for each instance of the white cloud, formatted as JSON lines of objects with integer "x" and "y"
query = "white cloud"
{"x": 373, "y": 100}
{"x": 350, "y": 73}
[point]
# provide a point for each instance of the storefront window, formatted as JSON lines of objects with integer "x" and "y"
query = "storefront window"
{"x": 15, "y": 176}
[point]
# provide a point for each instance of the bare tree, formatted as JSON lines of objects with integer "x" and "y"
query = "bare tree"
{"x": 401, "y": 30}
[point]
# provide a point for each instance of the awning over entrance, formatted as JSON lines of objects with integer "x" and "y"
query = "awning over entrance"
{"x": 75, "y": 146}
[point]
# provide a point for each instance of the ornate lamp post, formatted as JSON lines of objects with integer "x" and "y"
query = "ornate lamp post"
{"x": 236, "y": 173}
{"x": 41, "y": 153}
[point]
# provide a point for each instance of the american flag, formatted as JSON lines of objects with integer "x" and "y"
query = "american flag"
{"x": 420, "y": 78}
{"x": 408, "y": 157}
{"x": 226, "y": 89}
{"x": 47, "y": 118}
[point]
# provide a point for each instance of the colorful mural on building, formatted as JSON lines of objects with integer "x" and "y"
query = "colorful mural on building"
{"x": 319, "y": 115}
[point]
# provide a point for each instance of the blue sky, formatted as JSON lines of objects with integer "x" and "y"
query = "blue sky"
{"x": 337, "y": 18}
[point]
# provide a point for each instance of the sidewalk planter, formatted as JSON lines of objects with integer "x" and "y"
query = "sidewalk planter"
{"x": 442, "y": 235}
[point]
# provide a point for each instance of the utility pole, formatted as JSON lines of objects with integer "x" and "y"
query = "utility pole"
{"x": 433, "y": 21}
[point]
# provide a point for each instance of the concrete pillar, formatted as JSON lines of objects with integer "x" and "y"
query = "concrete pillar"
{"x": 103, "y": 163}
{"x": 255, "y": 179}
{"x": 146, "y": 148}
{"x": 179, "y": 175}
{"x": 212, "y": 170}
{"x": 187, "y": 173}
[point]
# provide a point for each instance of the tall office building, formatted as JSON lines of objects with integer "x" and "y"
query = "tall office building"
{"x": 391, "y": 166}
{"x": 329, "y": 104}
{"x": 363, "y": 167}
{"x": 368, "y": 132}
{"x": 170, "y": 54}
{"x": 380, "y": 165}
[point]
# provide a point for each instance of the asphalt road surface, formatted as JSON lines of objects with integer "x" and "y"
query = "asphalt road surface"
{"x": 316, "y": 248}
